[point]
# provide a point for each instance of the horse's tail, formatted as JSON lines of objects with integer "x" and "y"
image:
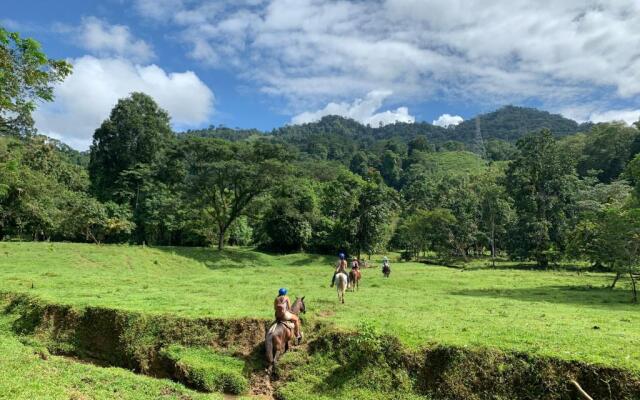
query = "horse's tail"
{"x": 268, "y": 344}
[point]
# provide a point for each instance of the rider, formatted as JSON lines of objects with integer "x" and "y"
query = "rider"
{"x": 385, "y": 262}
{"x": 340, "y": 267}
{"x": 355, "y": 264}
{"x": 282, "y": 305}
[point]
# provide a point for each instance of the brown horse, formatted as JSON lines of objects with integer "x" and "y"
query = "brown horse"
{"x": 279, "y": 335}
{"x": 354, "y": 279}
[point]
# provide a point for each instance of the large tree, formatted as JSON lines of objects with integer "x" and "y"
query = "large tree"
{"x": 223, "y": 178}
{"x": 26, "y": 77}
{"x": 541, "y": 183}
{"x": 373, "y": 218}
{"x": 133, "y": 137}
{"x": 607, "y": 150}
{"x": 496, "y": 212}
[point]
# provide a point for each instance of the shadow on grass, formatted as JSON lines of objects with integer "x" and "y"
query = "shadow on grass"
{"x": 591, "y": 296}
{"x": 316, "y": 259}
{"x": 218, "y": 259}
{"x": 533, "y": 267}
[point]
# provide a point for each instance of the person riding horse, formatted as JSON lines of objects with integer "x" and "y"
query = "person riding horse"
{"x": 386, "y": 268}
{"x": 282, "y": 305}
{"x": 340, "y": 268}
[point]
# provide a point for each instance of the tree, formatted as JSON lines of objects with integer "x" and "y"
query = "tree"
{"x": 541, "y": 182}
{"x": 26, "y": 77}
{"x": 500, "y": 150}
{"x": 224, "y": 178}
{"x": 632, "y": 173}
{"x": 288, "y": 221}
{"x": 496, "y": 212}
{"x": 134, "y": 136}
{"x": 373, "y": 218}
{"x": 339, "y": 199}
{"x": 419, "y": 143}
{"x": 607, "y": 150}
{"x": 390, "y": 168}
{"x": 360, "y": 164}
{"x": 611, "y": 237}
{"x": 427, "y": 230}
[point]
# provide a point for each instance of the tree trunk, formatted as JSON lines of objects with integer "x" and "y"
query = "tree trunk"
{"x": 493, "y": 246}
{"x": 543, "y": 262}
{"x": 615, "y": 280}
{"x": 633, "y": 286}
{"x": 221, "y": 239}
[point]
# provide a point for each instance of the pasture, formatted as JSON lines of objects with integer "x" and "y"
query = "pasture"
{"x": 568, "y": 315}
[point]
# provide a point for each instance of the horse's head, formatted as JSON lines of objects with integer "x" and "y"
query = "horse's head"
{"x": 303, "y": 308}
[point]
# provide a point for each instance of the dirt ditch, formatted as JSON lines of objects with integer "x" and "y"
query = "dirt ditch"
{"x": 134, "y": 341}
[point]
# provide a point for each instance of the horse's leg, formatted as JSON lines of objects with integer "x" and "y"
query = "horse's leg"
{"x": 268, "y": 344}
{"x": 278, "y": 351}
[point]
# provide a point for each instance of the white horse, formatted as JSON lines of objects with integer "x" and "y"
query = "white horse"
{"x": 341, "y": 285}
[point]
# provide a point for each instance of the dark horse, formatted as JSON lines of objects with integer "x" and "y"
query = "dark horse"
{"x": 386, "y": 270}
{"x": 279, "y": 335}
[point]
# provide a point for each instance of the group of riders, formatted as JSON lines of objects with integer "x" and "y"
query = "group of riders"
{"x": 282, "y": 303}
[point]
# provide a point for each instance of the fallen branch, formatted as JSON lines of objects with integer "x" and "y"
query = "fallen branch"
{"x": 582, "y": 393}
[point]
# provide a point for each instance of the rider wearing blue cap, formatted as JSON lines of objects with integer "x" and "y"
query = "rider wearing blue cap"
{"x": 282, "y": 305}
{"x": 340, "y": 267}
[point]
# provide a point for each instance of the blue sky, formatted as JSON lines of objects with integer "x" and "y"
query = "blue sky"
{"x": 266, "y": 63}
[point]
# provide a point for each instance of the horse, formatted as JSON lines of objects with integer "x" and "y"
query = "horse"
{"x": 280, "y": 334}
{"x": 341, "y": 285}
{"x": 386, "y": 270}
{"x": 354, "y": 279}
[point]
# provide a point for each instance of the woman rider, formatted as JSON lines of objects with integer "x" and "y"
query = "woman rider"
{"x": 341, "y": 267}
{"x": 282, "y": 305}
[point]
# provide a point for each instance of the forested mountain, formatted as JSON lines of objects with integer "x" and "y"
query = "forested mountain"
{"x": 511, "y": 123}
{"x": 334, "y": 137}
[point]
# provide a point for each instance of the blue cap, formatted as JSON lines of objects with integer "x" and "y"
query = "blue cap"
{"x": 341, "y": 255}
{"x": 282, "y": 291}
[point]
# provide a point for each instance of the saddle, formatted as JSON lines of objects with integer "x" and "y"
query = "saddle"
{"x": 287, "y": 324}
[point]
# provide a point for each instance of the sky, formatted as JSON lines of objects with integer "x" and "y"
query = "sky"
{"x": 266, "y": 63}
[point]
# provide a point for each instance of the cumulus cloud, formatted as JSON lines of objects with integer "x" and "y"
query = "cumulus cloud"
{"x": 597, "y": 113}
{"x": 362, "y": 110}
{"x": 86, "y": 97}
{"x": 103, "y": 39}
{"x": 626, "y": 115}
{"x": 447, "y": 120}
{"x": 313, "y": 51}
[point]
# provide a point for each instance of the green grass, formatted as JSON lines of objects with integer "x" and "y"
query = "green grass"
{"x": 209, "y": 371}
{"x": 570, "y": 315}
{"x": 320, "y": 377}
{"x": 30, "y": 373}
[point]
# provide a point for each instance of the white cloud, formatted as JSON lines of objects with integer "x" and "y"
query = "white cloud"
{"x": 87, "y": 96}
{"x": 447, "y": 120}
{"x": 313, "y": 51}
{"x": 103, "y": 39}
{"x": 362, "y": 110}
{"x": 627, "y": 116}
{"x": 595, "y": 113}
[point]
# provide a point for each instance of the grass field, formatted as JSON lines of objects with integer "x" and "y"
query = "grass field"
{"x": 569, "y": 315}
{"x": 30, "y": 373}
